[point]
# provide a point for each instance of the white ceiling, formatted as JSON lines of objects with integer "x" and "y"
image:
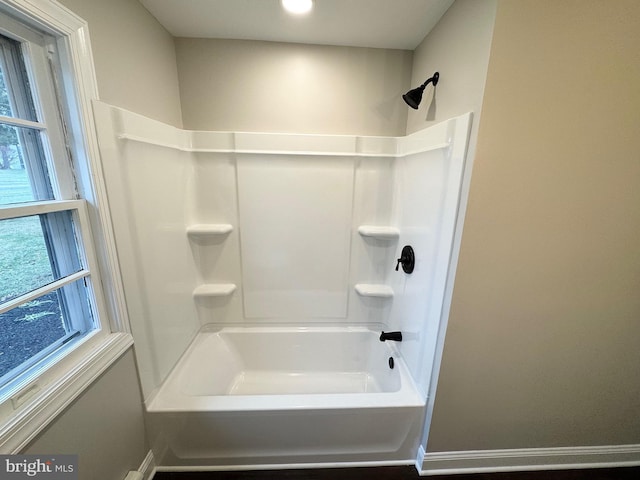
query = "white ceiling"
{"x": 360, "y": 23}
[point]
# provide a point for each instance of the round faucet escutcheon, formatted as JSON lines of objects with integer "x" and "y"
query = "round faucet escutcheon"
{"x": 407, "y": 259}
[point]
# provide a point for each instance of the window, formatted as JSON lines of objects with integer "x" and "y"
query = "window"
{"x": 62, "y": 319}
{"x": 45, "y": 299}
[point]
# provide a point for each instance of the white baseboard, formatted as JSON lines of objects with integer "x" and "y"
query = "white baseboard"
{"x": 523, "y": 459}
{"x": 148, "y": 466}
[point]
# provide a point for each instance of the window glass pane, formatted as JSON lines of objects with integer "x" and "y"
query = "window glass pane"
{"x": 35, "y": 251}
{"x": 24, "y": 176}
{"x": 16, "y": 99}
{"x": 37, "y": 328}
{"x": 28, "y": 329}
{"x": 5, "y": 105}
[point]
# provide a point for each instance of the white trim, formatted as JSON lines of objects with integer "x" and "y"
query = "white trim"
{"x": 420, "y": 459}
{"x": 148, "y": 466}
{"x": 527, "y": 459}
{"x": 21, "y": 429}
{"x": 46, "y": 15}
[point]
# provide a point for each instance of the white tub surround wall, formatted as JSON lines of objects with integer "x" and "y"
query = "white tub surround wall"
{"x": 254, "y": 229}
{"x": 295, "y": 222}
{"x": 147, "y": 188}
{"x": 426, "y": 204}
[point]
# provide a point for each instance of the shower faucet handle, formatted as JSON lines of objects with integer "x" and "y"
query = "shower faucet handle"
{"x": 407, "y": 259}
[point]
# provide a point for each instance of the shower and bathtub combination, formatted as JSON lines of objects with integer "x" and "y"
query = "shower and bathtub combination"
{"x": 285, "y": 292}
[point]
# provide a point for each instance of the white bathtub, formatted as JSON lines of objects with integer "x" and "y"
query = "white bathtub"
{"x": 252, "y": 396}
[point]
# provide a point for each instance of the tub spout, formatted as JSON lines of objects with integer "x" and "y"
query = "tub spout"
{"x": 395, "y": 336}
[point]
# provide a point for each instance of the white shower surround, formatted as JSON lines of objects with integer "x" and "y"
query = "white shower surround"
{"x": 180, "y": 240}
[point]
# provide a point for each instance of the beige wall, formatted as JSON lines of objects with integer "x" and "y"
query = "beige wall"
{"x": 542, "y": 344}
{"x": 237, "y": 85}
{"x": 134, "y": 58}
{"x": 458, "y": 48}
{"x": 104, "y": 426}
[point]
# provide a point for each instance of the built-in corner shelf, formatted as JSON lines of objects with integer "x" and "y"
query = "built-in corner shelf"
{"x": 380, "y": 233}
{"x": 209, "y": 229}
{"x": 383, "y": 233}
{"x": 374, "y": 290}
{"x": 214, "y": 290}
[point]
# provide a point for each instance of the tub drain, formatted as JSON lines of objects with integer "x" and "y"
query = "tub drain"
{"x": 391, "y": 363}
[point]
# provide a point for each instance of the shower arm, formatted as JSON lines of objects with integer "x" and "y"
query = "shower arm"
{"x": 434, "y": 80}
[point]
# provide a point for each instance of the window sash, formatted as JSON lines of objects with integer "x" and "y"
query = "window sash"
{"x": 80, "y": 319}
{"x": 17, "y": 210}
{"x": 81, "y": 242}
{"x": 43, "y": 103}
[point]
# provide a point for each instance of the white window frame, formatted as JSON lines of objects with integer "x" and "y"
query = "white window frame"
{"x": 32, "y": 405}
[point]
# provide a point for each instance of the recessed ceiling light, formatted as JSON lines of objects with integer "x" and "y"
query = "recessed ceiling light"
{"x": 297, "y": 7}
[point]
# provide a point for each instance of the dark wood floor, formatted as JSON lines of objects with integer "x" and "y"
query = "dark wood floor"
{"x": 401, "y": 473}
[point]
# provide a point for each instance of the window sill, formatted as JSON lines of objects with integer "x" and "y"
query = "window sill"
{"x": 70, "y": 380}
